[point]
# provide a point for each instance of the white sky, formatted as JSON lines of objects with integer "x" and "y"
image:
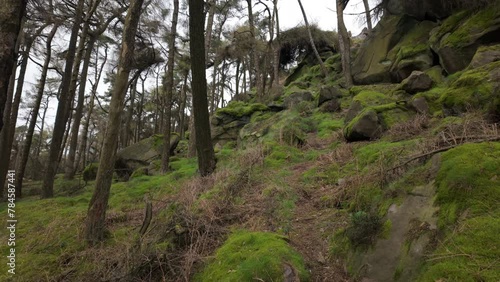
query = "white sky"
{"x": 322, "y": 12}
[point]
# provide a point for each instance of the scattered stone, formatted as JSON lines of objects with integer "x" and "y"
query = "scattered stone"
{"x": 420, "y": 105}
{"x": 297, "y": 97}
{"x": 417, "y": 82}
{"x": 331, "y": 106}
{"x": 328, "y": 93}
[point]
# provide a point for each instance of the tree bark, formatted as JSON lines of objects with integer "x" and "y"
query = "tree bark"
{"x": 71, "y": 164}
{"x": 210, "y": 24}
{"x": 276, "y": 59}
{"x": 254, "y": 53}
{"x": 311, "y": 41}
{"x": 63, "y": 108}
{"x": 21, "y": 165}
{"x": 344, "y": 44}
{"x": 96, "y": 215}
{"x": 368, "y": 15}
{"x": 204, "y": 148}
{"x": 169, "y": 89}
{"x": 81, "y": 156}
{"x": 11, "y": 14}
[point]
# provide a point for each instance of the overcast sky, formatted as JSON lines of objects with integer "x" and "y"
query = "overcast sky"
{"x": 322, "y": 12}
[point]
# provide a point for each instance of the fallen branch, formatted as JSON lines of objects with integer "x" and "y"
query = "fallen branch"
{"x": 495, "y": 138}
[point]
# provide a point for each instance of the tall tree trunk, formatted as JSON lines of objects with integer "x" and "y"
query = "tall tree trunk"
{"x": 204, "y": 148}
{"x": 169, "y": 89}
{"x": 23, "y": 157}
{"x": 7, "y": 134}
{"x": 128, "y": 118}
{"x": 81, "y": 157}
{"x": 368, "y": 15}
{"x": 345, "y": 46}
{"x": 277, "y": 46}
{"x": 237, "y": 77}
{"x": 254, "y": 53}
{"x": 96, "y": 215}
{"x": 71, "y": 164}
{"x": 210, "y": 24}
{"x": 63, "y": 108}
{"x": 140, "y": 110}
{"x": 182, "y": 107}
{"x": 11, "y": 14}
{"x": 311, "y": 41}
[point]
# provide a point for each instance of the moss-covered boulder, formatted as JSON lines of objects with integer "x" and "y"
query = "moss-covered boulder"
{"x": 485, "y": 55}
{"x": 417, "y": 82}
{"x": 457, "y": 39}
{"x": 141, "y": 154}
{"x": 374, "y": 60}
{"x": 227, "y": 122}
{"x": 468, "y": 193}
{"x": 296, "y": 98}
{"x": 90, "y": 172}
{"x": 477, "y": 89}
{"x": 366, "y": 126}
{"x": 255, "y": 256}
{"x": 364, "y": 99}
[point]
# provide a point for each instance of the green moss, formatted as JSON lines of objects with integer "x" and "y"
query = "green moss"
{"x": 475, "y": 24}
{"x": 240, "y": 109}
{"x": 249, "y": 256}
{"x": 386, "y": 229}
{"x": 468, "y": 193}
{"x": 372, "y": 98}
{"x": 414, "y": 42}
{"x": 472, "y": 89}
{"x": 142, "y": 171}
{"x": 90, "y": 172}
{"x": 448, "y": 25}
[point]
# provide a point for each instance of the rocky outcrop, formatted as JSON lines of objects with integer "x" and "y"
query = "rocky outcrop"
{"x": 485, "y": 55}
{"x": 227, "y": 122}
{"x": 458, "y": 38}
{"x": 142, "y": 154}
{"x": 416, "y": 82}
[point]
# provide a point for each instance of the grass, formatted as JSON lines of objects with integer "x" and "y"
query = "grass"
{"x": 250, "y": 256}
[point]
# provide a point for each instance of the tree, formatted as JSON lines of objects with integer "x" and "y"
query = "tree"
{"x": 21, "y": 165}
{"x": 204, "y": 148}
{"x": 169, "y": 89}
{"x": 368, "y": 15}
{"x": 96, "y": 215}
{"x": 11, "y": 14}
{"x": 311, "y": 39}
{"x": 344, "y": 43}
{"x": 63, "y": 108}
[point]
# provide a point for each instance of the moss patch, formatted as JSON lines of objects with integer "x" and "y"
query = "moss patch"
{"x": 468, "y": 193}
{"x": 240, "y": 109}
{"x": 250, "y": 256}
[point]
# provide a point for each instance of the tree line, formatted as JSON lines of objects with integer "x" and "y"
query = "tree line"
{"x": 156, "y": 72}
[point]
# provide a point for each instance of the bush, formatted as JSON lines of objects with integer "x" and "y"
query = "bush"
{"x": 90, "y": 172}
{"x": 364, "y": 228}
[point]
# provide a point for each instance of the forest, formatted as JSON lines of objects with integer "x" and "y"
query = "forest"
{"x": 191, "y": 140}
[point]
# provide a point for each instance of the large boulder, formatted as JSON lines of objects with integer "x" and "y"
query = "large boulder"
{"x": 142, "y": 154}
{"x": 328, "y": 93}
{"x": 417, "y": 82}
{"x": 366, "y": 126}
{"x": 374, "y": 60}
{"x": 458, "y": 38}
{"x": 485, "y": 55}
{"x": 296, "y": 98}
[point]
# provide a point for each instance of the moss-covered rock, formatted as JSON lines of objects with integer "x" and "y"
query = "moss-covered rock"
{"x": 250, "y": 256}
{"x": 474, "y": 89}
{"x": 485, "y": 55}
{"x": 374, "y": 59}
{"x": 364, "y": 99}
{"x": 458, "y": 38}
{"x": 468, "y": 193}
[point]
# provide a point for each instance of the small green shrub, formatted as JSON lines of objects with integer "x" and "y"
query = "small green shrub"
{"x": 90, "y": 172}
{"x": 364, "y": 228}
